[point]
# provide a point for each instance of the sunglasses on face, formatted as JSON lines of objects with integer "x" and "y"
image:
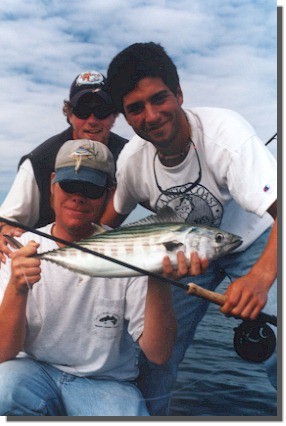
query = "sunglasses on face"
{"x": 86, "y": 189}
{"x": 101, "y": 112}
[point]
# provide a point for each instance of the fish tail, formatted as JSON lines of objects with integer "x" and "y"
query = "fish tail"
{"x": 13, "y": 242}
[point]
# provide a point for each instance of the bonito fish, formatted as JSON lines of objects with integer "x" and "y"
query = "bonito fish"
{"x": 143, "y": 244}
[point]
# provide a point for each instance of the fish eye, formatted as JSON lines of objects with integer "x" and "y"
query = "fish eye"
{"x": 219, "y": 237}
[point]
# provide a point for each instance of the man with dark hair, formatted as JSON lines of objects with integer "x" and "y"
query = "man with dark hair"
{"x": 209, "y": 165}
{"x": 145, "y": 60}
{"x": 91, "y": 115}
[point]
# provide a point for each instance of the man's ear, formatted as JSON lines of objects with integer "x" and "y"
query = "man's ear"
{"x": 51, "y": 184}
{"x": 179, "y": 95}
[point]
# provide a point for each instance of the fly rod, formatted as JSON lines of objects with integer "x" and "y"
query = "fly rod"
{"x": 191, "y": 288}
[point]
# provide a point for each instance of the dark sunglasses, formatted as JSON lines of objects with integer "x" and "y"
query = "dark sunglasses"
{"x": 100, "y": 111}
{"x": 86, "y": 189}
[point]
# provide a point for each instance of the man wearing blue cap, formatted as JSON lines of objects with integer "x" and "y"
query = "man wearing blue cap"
{"x": 91, "y": 115}
{"x": 67, "y": 342}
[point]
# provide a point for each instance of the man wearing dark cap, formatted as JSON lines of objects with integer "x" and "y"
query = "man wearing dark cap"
{"x": 91, "y": 115}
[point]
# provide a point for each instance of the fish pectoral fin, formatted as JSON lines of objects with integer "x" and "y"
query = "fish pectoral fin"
{"x": 81, "y": 279}
{"x": 13, "y": 242}
{"x": 172, "y": 245}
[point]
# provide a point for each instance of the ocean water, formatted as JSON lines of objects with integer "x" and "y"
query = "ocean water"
{"x": 214, "y": 381}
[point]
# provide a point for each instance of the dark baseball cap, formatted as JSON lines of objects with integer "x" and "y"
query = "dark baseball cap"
{"x": 89, "y": 82}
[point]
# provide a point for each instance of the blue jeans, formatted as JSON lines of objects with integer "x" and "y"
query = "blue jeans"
{"x": 156, "y": 382}
{"x": 33, "y": 388}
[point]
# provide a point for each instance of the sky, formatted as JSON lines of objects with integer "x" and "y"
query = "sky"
{"x": 225, "y": 52}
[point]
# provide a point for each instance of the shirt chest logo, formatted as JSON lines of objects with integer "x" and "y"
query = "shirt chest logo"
{"x": 195, "y": 205}
{"x": 106, "y": 320}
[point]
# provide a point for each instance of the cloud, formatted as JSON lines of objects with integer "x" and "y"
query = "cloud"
{"x": 225, "y": 51}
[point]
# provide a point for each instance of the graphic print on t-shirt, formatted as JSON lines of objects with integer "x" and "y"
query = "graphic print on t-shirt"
{"x": 195, "y": 205}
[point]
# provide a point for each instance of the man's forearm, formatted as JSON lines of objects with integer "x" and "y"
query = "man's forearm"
{"x": 247, "y": 295}
{"x": 266, "y": 266}
{"x": 159, "y": 324}
{"x": 12, "y": 323}
{"x": 110, "y": 217}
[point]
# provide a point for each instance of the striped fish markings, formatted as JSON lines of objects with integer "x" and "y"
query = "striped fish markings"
{"x": 143, "y": 244}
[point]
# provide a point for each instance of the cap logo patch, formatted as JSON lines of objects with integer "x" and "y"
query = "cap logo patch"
{"x": 80, "y": 153}
{"x": 89, "y": 77}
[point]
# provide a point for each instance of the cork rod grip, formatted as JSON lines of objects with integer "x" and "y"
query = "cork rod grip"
{"x": 212, "y": 296}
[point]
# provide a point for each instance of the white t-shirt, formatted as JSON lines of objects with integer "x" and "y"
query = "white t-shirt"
{"x": 238, "y": 176}
{"x": 81, "y": 325}
{"x": 22, "y": 203}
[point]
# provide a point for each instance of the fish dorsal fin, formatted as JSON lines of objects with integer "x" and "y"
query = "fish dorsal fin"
{"x": 99, "y": 229}
{"x": 164, "y": 215}
{"x": 106, "y": 227}
{"x": 13, "y": 242}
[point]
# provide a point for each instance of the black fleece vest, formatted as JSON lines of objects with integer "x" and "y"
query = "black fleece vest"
{"x": 43, "y": 162}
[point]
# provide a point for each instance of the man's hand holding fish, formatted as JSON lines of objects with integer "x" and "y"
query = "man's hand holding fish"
{"x": 193, "y": 266}
{"x": 25, "y": 268}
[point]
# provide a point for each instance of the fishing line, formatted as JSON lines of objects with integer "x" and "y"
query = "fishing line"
{"x": 93, "y": 394}
{"x": 27, "y": 283}
{"x": 261, "y": 317}
{"x": 93, "y": 391}
{"x": 94, "y": 253}
{"x": 270, "y": 319}
{"x": 90, "y": 395}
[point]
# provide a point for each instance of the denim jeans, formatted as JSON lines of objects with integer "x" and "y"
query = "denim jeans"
{"x": 33, "y": 388}
{"x": 156, "y": 382}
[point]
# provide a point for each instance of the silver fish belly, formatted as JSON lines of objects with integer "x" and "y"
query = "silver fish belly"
{"x": 143, "y": 246}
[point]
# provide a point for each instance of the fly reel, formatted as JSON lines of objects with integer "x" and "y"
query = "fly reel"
{"x": 254, "y": 340}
